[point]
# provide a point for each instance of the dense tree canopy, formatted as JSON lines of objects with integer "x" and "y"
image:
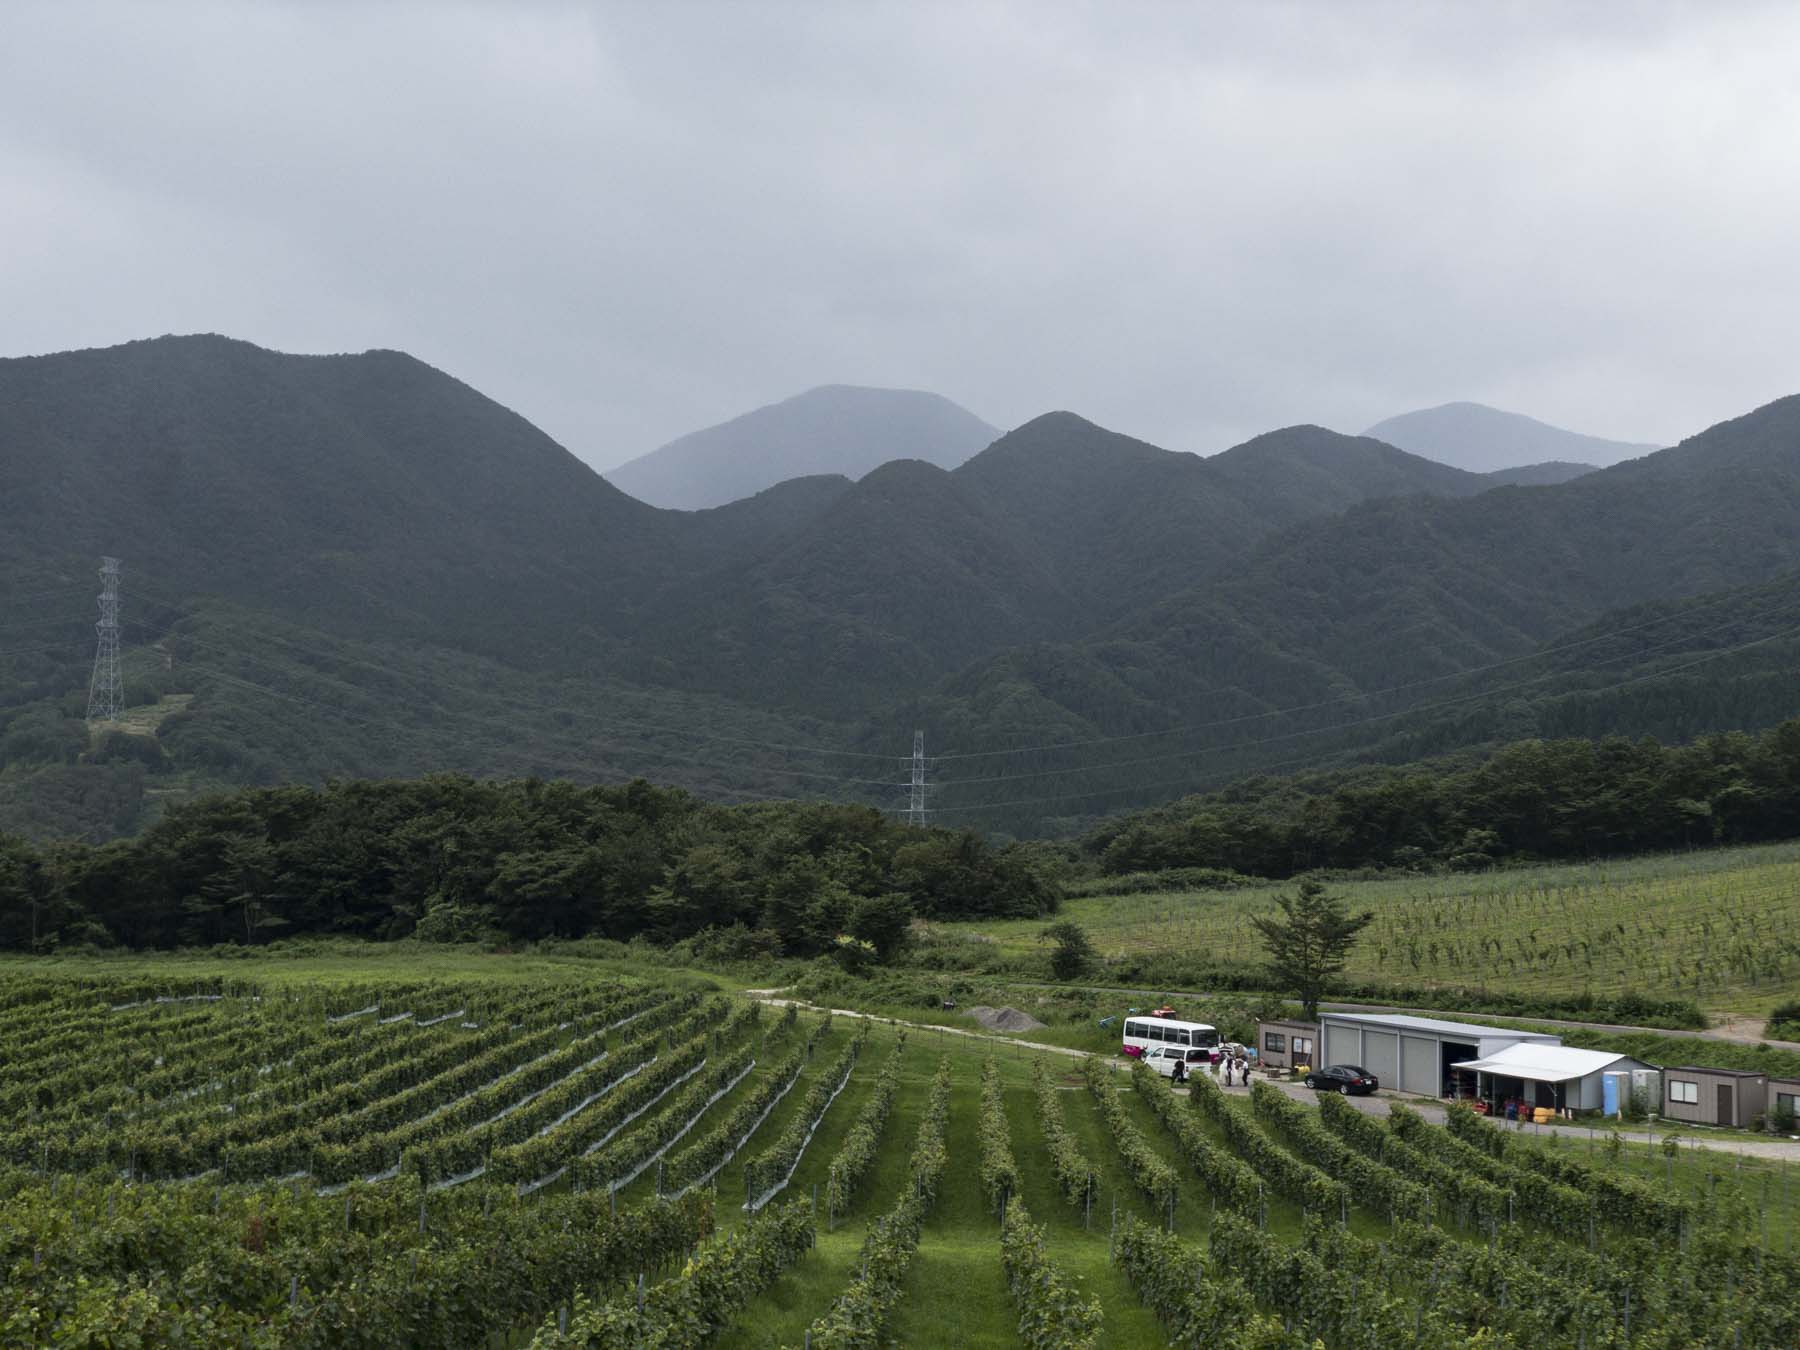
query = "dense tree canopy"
{"x": 453, "y": 857}
{"x": 1531, "y": 799}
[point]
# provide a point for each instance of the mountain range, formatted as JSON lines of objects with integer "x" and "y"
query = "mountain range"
{"x": 835, "y": 429}
{"x": 359, "y": 565}
{"x": 1485, "y": 440}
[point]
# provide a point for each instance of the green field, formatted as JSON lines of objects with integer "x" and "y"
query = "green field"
{"x": 1721, "y": 927}
{"x": 475, "y": 1150}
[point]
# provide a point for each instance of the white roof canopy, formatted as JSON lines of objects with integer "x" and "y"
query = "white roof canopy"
{"x": 1546, "y": 1063}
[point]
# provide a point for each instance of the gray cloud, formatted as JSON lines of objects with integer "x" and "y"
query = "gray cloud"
{"x": 1189, "y": 223}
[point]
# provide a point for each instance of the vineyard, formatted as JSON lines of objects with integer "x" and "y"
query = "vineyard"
{"x": 1720, "y": 926}
{"x": 599, "y": 1161}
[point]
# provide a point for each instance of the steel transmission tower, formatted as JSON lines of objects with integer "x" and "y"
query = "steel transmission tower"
{"x": 106, "y": 695}
{"x": 915, "y": 805}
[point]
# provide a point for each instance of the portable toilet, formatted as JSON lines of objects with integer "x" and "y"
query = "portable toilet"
{"x": 1615, "y": 1092}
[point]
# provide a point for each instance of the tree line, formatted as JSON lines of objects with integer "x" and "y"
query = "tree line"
{"x": 450, "y": 857}
{"x": 1533, "y": 799}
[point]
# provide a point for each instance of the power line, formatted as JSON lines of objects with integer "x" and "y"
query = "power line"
{"x": 1415, "y": 709}
{"x": 735, "y": 768}
{"x": 72, "y": 588}
{"x": 746, "y": 741}
{"x": 69, "y": 646}
{"x": 513, "y": 727}
{"x": 1187, "y": 728}
{"x": 1264, "y": 768}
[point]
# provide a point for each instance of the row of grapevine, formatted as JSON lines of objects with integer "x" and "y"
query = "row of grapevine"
{"x": 768, "y": 1173}
{"x": 547, "y": 1155}
{"x": 457, "y": 1137}
{"x": 855, "y": 1320}
{"x": 1538, "y": 1198}
{"x": 286, "y": 1137}
{"x": 857, "y": 1151}
{"x": 1052, "y": 1313}
{"x": 999, "y": 1173}
{"x": 1199, "y": 1308}
{"x": 1076, "y": 1177}
{"x": 620, "y": 1162}
{"x": 1148, "y": 1172}
{"x": 1228, "y": 1179}
{"x": 1475, "y": 1198}
{"x": 1625, "y": 1201}
{"x": 1336, "y": 1302}
{"x": 1369, "y": 1182}
{"x": 161, "y": 1265}
{"x": 701, "y": 1160}
{"x": 702, "y": 1299}
{"x": 1287, "y": 1175}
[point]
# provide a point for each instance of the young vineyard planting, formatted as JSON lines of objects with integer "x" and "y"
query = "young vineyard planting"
{"x": 606, "y": 1161}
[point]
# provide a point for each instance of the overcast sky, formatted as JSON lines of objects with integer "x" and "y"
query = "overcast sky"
{"x": 1188, "y": 222}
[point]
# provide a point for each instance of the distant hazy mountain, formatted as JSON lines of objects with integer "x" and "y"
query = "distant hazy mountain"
{"x": 1540, "y": 475}
{"x": 835, "y": 429}
{"x": 1482, "y": 439}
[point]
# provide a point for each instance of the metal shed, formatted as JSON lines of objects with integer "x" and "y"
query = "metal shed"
{"x": 1557, "y": 1076}
{"x": 1414, "y": 1054}
{"x": 1714, "y": 1096}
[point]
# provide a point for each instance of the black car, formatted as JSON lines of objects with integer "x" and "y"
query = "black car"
{"x": 1344, "y": 1078}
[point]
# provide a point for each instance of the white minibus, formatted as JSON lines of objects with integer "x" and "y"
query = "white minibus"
{"x": 1144, "y": 1033}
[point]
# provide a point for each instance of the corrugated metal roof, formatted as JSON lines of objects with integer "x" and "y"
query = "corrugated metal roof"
{"x": 1548, "y": 1063}
{"x": 1465, "y": 1030}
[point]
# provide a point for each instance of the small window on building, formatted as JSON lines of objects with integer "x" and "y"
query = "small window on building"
{"x": 1680, "y": 1091}
{"x": 1274, "y": 1042}
{"x": 1791, "y": 1100}
{"x": 1303, "y": 1045}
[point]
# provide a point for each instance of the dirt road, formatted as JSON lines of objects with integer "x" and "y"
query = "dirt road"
{"x": 1782, "y": 1150}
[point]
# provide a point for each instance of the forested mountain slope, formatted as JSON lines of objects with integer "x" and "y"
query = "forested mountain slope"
{"x": 358, "y": 565}
{"x": 369, "y": 493}
{"x": 1369, "y": 619}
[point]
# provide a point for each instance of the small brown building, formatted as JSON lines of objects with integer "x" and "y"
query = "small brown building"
{"x": 1714, "y": 1096}
{"x": 1283, "y": 1045}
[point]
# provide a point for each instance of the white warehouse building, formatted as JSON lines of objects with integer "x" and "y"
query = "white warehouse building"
{"x": 1415, "y": 1054}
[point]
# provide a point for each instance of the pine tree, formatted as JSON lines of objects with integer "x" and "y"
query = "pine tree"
{"x": 1310, "y": 942}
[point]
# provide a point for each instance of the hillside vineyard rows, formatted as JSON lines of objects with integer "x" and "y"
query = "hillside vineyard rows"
{"x": 616, "y": 1163}
{"x": 1718, "y": 926}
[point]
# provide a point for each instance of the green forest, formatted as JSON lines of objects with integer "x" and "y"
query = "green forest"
{"x": 449, "y": 858}
{"x": 1534, "y": 799}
